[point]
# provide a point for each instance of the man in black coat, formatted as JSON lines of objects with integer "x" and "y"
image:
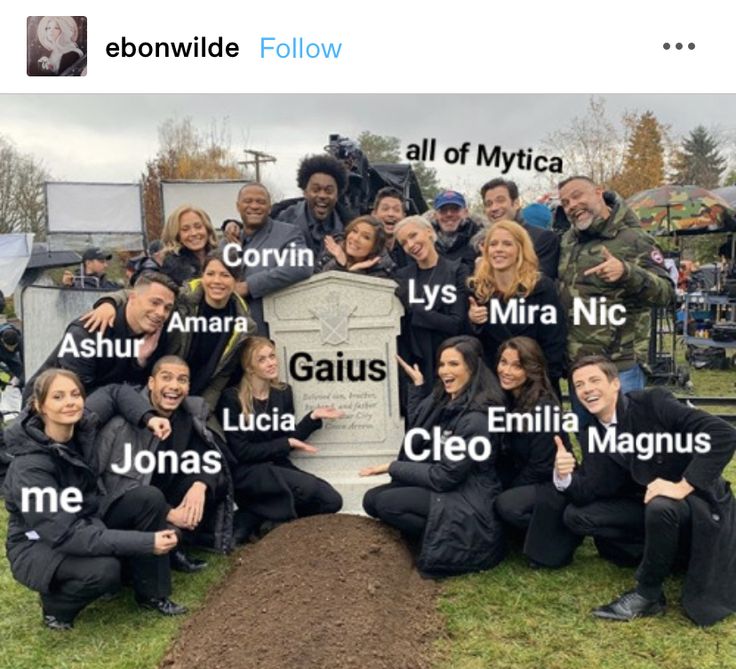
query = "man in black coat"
{"x": 92, "y": 273}
{"x": 501, "y": 201}
{"x": 389, "y": 208}
{"x": 190, "y": 471}
{"x": 685, "y": 511}
{"x": 455, "y": 229}
{"x": 128, "y": 349}
{"x": 323, "y": 180}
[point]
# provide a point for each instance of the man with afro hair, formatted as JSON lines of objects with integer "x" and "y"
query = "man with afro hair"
{"x": 323, "y": 179}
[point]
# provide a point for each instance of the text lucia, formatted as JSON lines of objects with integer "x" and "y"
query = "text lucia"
{"x": 262, "y": 422}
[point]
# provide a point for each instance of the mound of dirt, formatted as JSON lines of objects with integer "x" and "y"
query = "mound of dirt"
{"x": 318, "y": 593}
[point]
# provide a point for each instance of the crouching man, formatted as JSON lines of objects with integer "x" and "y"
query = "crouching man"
{"x": 187, "y": 466}
{"x": 685, "y": 514}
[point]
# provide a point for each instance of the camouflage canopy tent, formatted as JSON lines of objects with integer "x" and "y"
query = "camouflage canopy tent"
{"x": 682, "y": 210}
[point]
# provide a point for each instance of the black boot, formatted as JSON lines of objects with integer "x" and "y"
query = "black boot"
{"x": 180, "y": 561}
{"x": 164, "y": 605}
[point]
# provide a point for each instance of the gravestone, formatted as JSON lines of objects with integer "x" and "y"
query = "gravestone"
{"x": 336, "y": 339}
{"x": 47, "y": 311}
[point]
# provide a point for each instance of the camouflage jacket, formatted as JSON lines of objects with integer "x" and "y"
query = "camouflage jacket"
{"x": 645, "y": 284}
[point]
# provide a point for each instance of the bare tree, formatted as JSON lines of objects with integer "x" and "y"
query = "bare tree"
{"x": 22, "y": 207}
{"x": 185, "y": 152}
{"x": 591, "y": 145}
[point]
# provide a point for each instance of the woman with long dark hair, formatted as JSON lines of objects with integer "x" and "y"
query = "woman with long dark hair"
{"x": 511, "y": 298}
{"x": 261, "y": 432}
{"x": 360, "y": 250}
{"x": 212, "y": 352}
{"x": 527, "y": 458}
{"x": 70, "y": 554}
{"x": 445, "y": 501}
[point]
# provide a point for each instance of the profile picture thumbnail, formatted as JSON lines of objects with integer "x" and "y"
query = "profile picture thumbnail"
{"x": 57, "y": 46}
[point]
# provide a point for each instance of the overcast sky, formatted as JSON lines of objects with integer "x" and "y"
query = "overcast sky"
{"x": 110, "y": 138}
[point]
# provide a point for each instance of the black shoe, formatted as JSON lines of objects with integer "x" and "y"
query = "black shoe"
{"x": 53, "y": 623}
{"x": 164, "y": 606}
{"x": 631, "y": 605}
{"x": 267, "y": 526}
{"x": 180, "y": 561}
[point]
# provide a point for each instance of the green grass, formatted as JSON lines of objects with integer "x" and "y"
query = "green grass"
{"x": 108, "y": 634}
{"x": 512, "y": 618}
{"x": 508, "y": 618}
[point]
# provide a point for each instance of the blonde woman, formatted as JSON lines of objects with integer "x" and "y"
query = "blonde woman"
{"x": 58, "y": 34}
{"x": 188, "y": 237}
{"x": 261, "y": 431}
{"x": 511, "y": 298}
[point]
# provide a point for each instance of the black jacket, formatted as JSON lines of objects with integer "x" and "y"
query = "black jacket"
{"x": 527, "y": 458}
{"x": 96, "y": 372}
{"x": 314, "y": 231}
{"x": 94, "y": 282}
{"x": 120, "y": 430}
{"x": 552, "y": 338}
{"x": 423, "y": 330}
{"x": 383, "y": 269}
{"x": 38, "y": 541}
{"x": 462, "y": 533}
{"x": 256, "y": 456}
{"x": 547, "y": 247}
{"x": 181, "y": 266}
{"x": 709, "y": 592}
{"x": 460, "y": 248}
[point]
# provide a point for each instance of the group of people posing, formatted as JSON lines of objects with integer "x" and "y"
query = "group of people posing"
{"x": 173, "y": 435}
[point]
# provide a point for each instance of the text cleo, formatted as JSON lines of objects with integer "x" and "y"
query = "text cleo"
{"x": 445, "y": 446}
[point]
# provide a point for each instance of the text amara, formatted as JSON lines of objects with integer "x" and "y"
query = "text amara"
{"x": 179, "y": 323}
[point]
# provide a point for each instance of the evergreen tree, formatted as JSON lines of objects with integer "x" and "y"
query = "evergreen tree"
{"x": 644, "y": 158}
{"x": 699, "y": 161}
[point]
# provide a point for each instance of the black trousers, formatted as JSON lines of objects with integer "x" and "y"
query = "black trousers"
{"x": 312, "y": 495}
{"x": 174, "y": 493}
{"x": 78, "y": 580}
{"x": 403, "y": 507}
{"x": 144, "y": 509}
{"x": 515, "y": 506}
{"x": 664, "y": 525}
{"x": 616, "y": 525}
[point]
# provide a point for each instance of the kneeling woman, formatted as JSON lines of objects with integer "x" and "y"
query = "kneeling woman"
{"x": 261, "y": 431}
{"x": 446, "y": 502}
{"x": 69, "y": 554}
{"x": 527, "y": 458}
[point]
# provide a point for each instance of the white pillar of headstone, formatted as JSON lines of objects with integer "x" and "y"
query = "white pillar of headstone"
{"x": 331, "y": 329}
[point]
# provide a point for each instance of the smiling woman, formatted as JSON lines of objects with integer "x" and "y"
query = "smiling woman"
{"x": 429, "y": 318}
{"x": 361, "y": 249}
{"x": 188, "y": 237}
{"x": 511, "y": 298}
{"x": 445, "y": 502}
